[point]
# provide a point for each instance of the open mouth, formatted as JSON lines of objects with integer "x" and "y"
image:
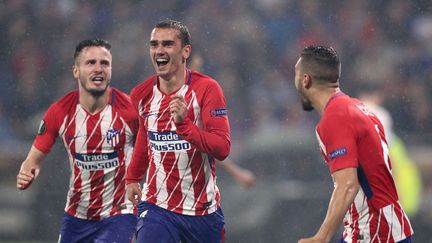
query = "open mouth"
{"x": 97, "y": 79}
{"x": 160, "y": 62}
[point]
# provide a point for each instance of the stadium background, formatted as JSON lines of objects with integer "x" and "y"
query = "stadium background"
{"x": 250, "y": 47}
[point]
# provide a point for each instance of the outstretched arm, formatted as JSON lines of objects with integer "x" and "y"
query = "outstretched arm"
{"x": 244, "y": 177}
{"x": 344, "y": 193}
{"x": 30, "y": 168}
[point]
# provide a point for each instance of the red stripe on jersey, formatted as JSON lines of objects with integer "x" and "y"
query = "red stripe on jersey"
{"x": 119, "y": 177}
{"x": 74, "y": 199}
{"x": 180, "y": 176}
{"x": 97, "y": 146}
{"x": 94, "y": 142}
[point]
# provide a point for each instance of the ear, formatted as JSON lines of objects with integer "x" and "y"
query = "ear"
{"x": 307, "y": 81}
{"x": 75, "y": 71}
{"x": 187, "y": 49}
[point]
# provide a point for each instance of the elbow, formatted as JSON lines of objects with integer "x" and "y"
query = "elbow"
{"x": 223, "y": 152}
{"x": 352, "y": 187}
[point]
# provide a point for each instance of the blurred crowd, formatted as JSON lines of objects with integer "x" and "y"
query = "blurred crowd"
{"x": 250, "y": 47}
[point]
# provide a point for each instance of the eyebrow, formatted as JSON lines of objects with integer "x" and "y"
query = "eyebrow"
{"x": 164, "y": 42}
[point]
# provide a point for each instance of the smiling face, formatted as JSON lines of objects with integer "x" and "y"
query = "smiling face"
{"x": 167, "y": 53}
{"x": 93, "y": 70}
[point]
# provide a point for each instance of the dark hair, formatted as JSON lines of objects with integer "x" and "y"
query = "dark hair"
{"x": 184, "y": 36}
{"x": 321, "y": 62}
{"x": 91, "y": 42}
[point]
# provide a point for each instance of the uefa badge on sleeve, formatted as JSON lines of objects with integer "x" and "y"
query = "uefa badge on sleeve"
{"x": 113, "y": 136}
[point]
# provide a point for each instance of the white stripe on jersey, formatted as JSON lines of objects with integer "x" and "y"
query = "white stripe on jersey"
{"x": 81, "y": 147}
{"x": 107, "y": 120}
{"x": 393, "y": 222}
{"x": 364, "y": 216}
{"x": 160, "y": 175}
{"x": 321, "y": 144}
{"x": 187, "y": 176}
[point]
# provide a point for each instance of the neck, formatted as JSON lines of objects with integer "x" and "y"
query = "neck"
{"x": 91, "y": 103}
{"x": 322, "y": 97}
{"x": 174, "y": 82}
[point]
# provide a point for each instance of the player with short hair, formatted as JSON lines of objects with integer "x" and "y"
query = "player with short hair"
{"x": 353, "y": 144}
{"x": 183, "y": 129}
{"x": 97, "y": 124}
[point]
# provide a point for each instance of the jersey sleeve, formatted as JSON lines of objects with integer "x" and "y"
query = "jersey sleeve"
{"x": 48, "y": 130}
{"x": 140, "y": 160}
{"x": 214, "y": 139}
{"x": 338, "y": 137}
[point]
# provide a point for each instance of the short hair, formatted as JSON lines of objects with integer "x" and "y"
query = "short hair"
{"x": 322, "y": 63}
{"x": 184, "y": 36}
{"x": 90, "y": 42}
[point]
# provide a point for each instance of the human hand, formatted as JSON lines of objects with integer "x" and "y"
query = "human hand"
{"x": 26, "y": 175}
{"x": 178, "y": 108}
{"x": 245, "y": 178}
{"x": 133, "y": 192}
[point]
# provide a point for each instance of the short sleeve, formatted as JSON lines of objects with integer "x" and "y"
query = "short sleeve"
{"x": 48, "y": 130}
{"x": 338, "y": 138}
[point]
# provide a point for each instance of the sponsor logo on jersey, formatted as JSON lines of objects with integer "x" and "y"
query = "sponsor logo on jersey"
{"x": 113, "y": 136}
{"x": 218, "y": 112}
{"x": 42, "y": 128}
{"x": 94, "y": 162}
{"x": 167, "y": 141}
{"x": 338, "y": 152}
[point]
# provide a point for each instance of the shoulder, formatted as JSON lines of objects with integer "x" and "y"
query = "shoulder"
{"x": 120, "y": 96}
{"x": 142, "y": 89}
{"x": 65, "y": 102}
{"x": 122, "y": 103}
{"x": 204, "y": 83}
{"x": 201, "y": 78}
{"x": 339, "y": 111}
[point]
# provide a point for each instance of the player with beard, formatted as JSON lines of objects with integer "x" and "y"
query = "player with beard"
{"x": 353, "y": 144}
{"x": 98, "y": 125}
{"x": 183, "y": 129}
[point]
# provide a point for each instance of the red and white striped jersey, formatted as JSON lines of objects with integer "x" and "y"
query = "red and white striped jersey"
{"x": 351, "y": 136}
{"x": 180, "y": 157}
{"x": 99, "y": 148}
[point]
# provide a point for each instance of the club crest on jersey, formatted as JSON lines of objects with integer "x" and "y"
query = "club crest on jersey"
{"x": 218, "y": 112}
{"x": 338, "y": 152}
{"x": 113, "y": 136}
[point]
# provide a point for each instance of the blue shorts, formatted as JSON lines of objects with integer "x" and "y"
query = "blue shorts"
{"x": 158, "y": 225}
{"x": 118, "y": 228}
{"x": 407, "y": 240}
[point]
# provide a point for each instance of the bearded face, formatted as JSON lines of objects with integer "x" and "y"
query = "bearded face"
{"x": 298, "y": 82}
{"x": 93, "y": 70}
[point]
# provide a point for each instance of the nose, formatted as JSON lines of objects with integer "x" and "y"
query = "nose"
{"x": 98, "y": 67}
{"x": 159, "y": 49}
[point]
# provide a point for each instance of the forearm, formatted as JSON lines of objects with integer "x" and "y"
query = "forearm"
{"x": 34, "y": 158}
{"x": 215, "y": 143}
{"x": 140, "y": 159}
{"x": 30, "y": 168}
{"x": 341, "y": 200}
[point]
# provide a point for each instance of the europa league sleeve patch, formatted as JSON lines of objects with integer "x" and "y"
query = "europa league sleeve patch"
{"x": 218, "y": 112}
{"x": 42, "y": 128}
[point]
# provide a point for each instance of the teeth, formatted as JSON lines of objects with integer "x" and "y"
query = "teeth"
{"x": 161, "y": 60}
{"x": 97, "y": 79}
